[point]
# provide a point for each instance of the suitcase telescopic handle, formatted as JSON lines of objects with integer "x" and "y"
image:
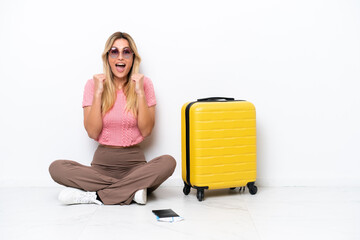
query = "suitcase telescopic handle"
{"x": 209, "y": 99}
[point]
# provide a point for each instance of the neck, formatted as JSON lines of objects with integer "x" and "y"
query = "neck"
{"x": 119, "y": 82}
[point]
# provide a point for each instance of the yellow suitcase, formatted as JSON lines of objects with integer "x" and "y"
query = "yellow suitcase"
{"x": 218, "y": 145}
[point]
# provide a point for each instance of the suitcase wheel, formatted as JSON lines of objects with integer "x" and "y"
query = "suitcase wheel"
{"x": 252, "y": 188}
{"x": 200, "y": 194}
{"x": 186, "y": 189}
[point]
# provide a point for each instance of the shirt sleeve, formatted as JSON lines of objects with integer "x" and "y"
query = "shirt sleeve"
{"x": 88, "y": 93}
{"x": 149, "y": 92}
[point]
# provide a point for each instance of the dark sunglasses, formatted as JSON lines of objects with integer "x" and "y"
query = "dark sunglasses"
{"x": 126, "y": 52}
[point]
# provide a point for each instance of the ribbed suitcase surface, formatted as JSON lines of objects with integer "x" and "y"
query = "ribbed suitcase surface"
{"x": 218, "y": 145}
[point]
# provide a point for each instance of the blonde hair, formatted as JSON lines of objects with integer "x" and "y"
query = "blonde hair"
{"x": 109, "y": 94}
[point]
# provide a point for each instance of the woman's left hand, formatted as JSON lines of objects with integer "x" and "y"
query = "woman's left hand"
{"x": 139, "y": 83}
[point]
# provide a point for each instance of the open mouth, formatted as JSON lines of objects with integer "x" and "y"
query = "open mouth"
{"x": 120, "y": 66}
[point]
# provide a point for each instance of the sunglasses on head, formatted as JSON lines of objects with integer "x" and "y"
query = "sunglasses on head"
{"x": 126, "y": 52}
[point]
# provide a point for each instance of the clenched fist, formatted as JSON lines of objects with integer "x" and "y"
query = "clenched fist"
{"x": 139, "y": 83}
{"x": 99, "y": 80}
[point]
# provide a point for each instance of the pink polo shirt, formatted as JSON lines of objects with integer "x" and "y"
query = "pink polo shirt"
{"x": 119, "y": 126}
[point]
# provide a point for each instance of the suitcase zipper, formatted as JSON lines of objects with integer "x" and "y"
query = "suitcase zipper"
{"x": 187, "y": 137}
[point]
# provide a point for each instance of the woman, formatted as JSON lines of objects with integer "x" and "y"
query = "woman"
{"x": 119, "y": 112}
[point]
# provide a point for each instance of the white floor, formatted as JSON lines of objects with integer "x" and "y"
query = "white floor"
{"x": 273, "y": 213}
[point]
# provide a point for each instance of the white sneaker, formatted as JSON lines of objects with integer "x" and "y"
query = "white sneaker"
{"x": 76, "y": 196}
{"x": 141, "y": 196}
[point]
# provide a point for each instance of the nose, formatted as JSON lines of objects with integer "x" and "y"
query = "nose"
{"x": 120, "y": 57}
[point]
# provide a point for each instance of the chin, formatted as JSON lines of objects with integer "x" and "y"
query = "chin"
{"x": 118, "y": 75}
{"x": 121, "y": 75}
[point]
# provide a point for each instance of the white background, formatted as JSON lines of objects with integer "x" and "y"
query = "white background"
{"x": 297, "y": 61}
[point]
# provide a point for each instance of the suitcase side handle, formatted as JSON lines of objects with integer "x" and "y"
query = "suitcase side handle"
{"x": 211, "y": 99}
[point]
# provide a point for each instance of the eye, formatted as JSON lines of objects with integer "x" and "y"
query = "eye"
{"x": 127, "y": 51}
{"x": 114, "y": 52}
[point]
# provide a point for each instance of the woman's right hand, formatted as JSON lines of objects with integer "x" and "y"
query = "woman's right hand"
{"x": 92, "y": 114}
{"x": 99, "y": 80}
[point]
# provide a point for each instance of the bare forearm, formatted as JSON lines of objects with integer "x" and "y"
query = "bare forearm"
{"x": 93, "y": 120}
{"x": 146, "y": 118}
